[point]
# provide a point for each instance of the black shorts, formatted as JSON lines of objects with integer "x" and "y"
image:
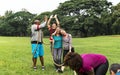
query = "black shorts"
{"x": 102, "y": 69}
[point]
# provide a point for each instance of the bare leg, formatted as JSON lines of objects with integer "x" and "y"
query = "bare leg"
{"x": 42, "y": 60}
{"x": 34, "y": 61}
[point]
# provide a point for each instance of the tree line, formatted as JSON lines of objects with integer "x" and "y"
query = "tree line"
{"x": 81, "y": 18}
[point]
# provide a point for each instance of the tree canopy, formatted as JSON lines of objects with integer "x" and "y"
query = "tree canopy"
{"x": 81, "y": 18}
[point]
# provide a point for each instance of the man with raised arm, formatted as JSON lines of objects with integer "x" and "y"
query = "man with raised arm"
{"x": 36, "y": 42}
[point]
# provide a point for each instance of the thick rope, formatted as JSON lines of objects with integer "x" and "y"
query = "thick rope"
{"x": 36, "y": 44}
{"x": 59, "y": 65}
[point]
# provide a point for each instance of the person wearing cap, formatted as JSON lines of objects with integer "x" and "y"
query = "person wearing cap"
{"x": 36, "y": 42}
{"x": 115, "y": 69}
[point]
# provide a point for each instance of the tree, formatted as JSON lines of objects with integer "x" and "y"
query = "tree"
{"x": 88, "y": 14}
{"x": 5, "y": 28}
{"x": 116, "y": 19}
{"x": 20, "y": 22}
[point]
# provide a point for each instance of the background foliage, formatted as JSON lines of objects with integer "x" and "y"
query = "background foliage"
{"x": 81, "y": 18}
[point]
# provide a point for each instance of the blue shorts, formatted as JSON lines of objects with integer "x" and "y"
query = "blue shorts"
{"x": 37, "y": 51}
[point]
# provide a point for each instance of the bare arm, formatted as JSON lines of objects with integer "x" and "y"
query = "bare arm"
{"x": 45, "y": 18}
{"x": 70, "y": 42}
{"x": 57, "y": 30}
{"x": 48, "y": 23}
{"x": 57, "y": 21}
{"x": 44, "y": 23}
{"x": 54, "y": 33}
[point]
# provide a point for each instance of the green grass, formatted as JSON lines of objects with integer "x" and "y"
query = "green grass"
{"x": 15, "y": 54}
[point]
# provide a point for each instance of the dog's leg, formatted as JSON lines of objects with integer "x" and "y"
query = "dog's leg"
{"x": 74, "y": 73}
{"x": 62, "y": 68}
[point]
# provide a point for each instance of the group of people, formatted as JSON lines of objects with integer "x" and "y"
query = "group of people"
{"x": 61, "y": 42}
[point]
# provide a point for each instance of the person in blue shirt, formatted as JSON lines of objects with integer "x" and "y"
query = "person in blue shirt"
{"x": 57, "y": 48}
{"x": 115, "y": 69}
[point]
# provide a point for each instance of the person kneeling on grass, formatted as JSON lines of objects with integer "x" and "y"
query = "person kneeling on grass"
{"x": 87, "y": 64}
{"x": 115, "y": 69}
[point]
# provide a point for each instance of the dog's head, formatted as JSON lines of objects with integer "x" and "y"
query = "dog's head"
{"x": 73, "y": 60}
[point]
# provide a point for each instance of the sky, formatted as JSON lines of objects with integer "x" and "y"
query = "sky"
{"x": 33, "y": 6}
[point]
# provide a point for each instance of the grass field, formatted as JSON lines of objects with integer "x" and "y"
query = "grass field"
{"x": 15, "y": 54}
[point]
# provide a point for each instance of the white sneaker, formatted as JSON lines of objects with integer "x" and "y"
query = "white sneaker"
{"x": 35, "y": 68}
{"x": 62, "y": 68}
{"x": 43, "y": 67}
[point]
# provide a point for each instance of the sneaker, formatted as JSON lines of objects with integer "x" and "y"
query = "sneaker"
{"x": 62, "y": 68}
{"x": 56, "y": 70}
{"x": 35, "y": 68}
{"x": 60, "y": 71}
{"x": 43, "y": 67}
